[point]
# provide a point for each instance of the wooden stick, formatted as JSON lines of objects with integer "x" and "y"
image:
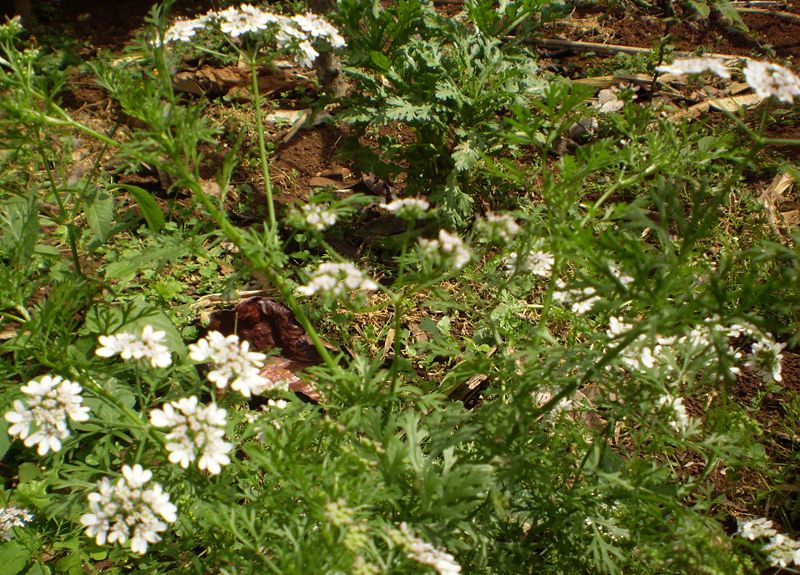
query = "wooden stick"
{"x": 772, "y": 13}
{"x": 614, "y": 48}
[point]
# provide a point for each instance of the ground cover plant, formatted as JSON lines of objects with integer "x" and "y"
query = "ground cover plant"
{"x": 519, "y": 320}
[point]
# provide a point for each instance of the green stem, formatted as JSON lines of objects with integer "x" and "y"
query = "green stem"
{"x": 261, "y": 265}
{"x": 62, "y": 210}
{"x": 88, "y": 383}
{"x": 262, "y": 146}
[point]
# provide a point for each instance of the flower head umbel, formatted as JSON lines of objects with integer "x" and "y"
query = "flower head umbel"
{"x": 233, "y": 362}
{"x": 42, "y": 418}
{"x": 332, "y": 280}
{"x": 772, "y": 80}
{"x": 447, "y": 249}
{"x": 755, "y": 528}
{"x": 183, "y": 30}
{"x": 500, "y": 228}
{"x": 11, "y": 517}
{"x": 679, "y": 420}
{"x": 297, "y": 35}
{"x": 317, "y": 216}
{"x": 534, "y": 262}
{"x": 146, "y": 345}
{"x": 425, "y": 553}
{"x": 765, "y": 360}
{"x": 407, "y": 208}
{"x": 128, "y": 511}
{"x": 686, "y": 66}
{"x": 194, "y": 430}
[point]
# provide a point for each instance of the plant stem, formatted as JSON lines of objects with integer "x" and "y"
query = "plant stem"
{"x": 62, "y": 210}
{"x": 262, "y": 146}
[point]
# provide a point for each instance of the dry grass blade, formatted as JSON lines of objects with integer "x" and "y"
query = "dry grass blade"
{"x": 774, "y": 198}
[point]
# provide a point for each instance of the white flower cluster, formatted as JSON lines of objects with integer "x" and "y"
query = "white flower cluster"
{"x": 542, "y": 396}
{"x": 582, "y": 300}
{"x": 332, "y": 280}
{"x": 318, "y": 216}
{"x": 499, "y": 227}
{"x": 233, "y": 361}
{"x": 448, "y": 249}
{"x": 194, "y": 430}
{"x": 684, "y": 66}
{"x": 146, "y": 345}
{"x": 535, "y": 262}
{"x": 425, "y": 553}
{"x": 126, "y": 510}
{"x": 42, "y": 419}
{"x": 11, "y": 517}
{"x": 407, "y": 208}
{"x": 765, "y": 359}
{"x": 765, "y": 78}
{"x": 781, "y": 551}
{"x": 679, "y": 419}
{"x": 296, "y": 33}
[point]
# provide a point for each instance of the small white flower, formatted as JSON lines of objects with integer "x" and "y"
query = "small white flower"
{"x": 233, "y": 361}
{"x": 194, "y": 430}
{"x": 448, "y": 249}
{"x": 318, "y": 216}
{"x": 543, "y": 396}
{"x": 772, "y": 80}
{"x": 685, "y": 66}
{"x": 407, "y": 208}
{"x": 146, "y": 345}
{"x": 423, "y": 552}
{"x": 580, "y": 300}
{"x": 782, "y": 551}
{"x": 499, "y": 227}
{"x": 42, "y": 419}
{"x": 333, "y": 280}
{"x": 183, "y": 30}
{"x": 319, "y": 28}
{"x": 11, "y": 517}
{"x": 244, "y": 19}
{"x": 679, "y": 419}
{"x": 765, "y": 360}
{"x": 125, "y": 510}
{"x": 755, "y": 528}
{"x": 535, "y": 262}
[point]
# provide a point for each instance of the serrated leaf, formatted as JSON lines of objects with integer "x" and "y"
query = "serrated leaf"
{"x": 701, "y": 8}
{"x": 729, "y": 12}
{"x": 399, "y": 109}
{"x": 99, "y": 210}
{"x": 147, "y": 204}
{"x": 20, "y": 228}
{"x": 465, "y": 156}
{"x": 13, "y": 557}
{"x": 446, "y": 91}
{"x": 380, "y": 61}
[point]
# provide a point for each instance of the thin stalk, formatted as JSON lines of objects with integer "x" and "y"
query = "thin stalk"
{"x": 62, "y": 210}
{"x": 259, "y": 264}
{"x": 262, "y": 146}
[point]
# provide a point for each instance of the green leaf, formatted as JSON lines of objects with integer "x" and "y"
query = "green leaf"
{"x": 126, "y": 269}
{"x": 380, "y": 61}
{"x": 147, "y": 203}
{"x": 729, "y": 13}
{"x": 13, "y": 557}
{"x": 701, "y": 8}
{"x": 99, "y": 209}
{"x": 5, "y": 440}
{"x": 38, "y": 569}
{"x": 19, "y": 228}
